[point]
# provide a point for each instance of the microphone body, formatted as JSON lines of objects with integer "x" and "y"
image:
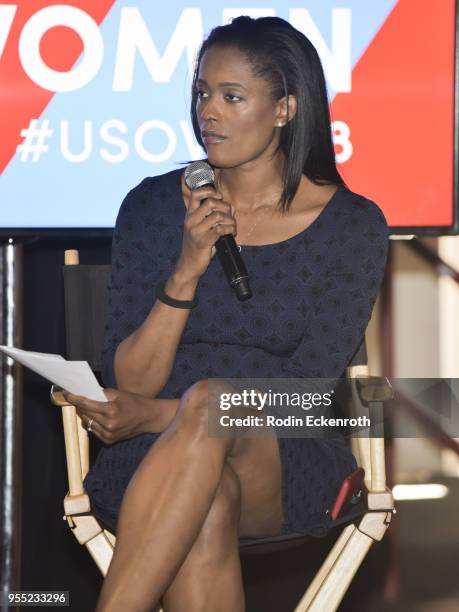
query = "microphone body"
{"x": 200, "y": 174}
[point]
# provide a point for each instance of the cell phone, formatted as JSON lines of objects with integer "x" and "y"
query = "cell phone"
{"x": 350, "y": 485}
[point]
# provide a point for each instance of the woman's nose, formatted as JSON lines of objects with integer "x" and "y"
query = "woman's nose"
{"x": 209, "y": 109}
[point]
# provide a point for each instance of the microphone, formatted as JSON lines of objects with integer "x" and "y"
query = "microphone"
{"x": 200, "y": 174}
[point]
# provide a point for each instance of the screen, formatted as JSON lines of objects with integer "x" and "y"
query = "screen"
{"x": 95, "y": 96}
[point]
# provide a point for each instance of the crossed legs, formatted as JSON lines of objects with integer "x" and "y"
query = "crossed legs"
{"x": 189, "y": 500}
{"x": 210, "y": 577}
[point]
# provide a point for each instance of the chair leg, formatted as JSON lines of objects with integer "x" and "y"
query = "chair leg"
{"x": 101, "y": 551}
{"x": 325, "y": 568}
{"x": 340, "y": 577}
{"x": 334, "y": 577}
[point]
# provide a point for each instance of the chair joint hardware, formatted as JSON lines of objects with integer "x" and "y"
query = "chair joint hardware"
{"x": 380, "y": 500}
{"x": 85, "y": 527}
{"x": 375, "y": 524}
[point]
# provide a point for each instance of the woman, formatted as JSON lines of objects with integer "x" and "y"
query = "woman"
{"x": 315, "y": 253}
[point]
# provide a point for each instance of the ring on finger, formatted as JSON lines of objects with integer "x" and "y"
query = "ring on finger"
{"x": 89, "y": 425}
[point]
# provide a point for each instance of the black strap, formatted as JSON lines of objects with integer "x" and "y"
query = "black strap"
{"x": 170, "y": 301}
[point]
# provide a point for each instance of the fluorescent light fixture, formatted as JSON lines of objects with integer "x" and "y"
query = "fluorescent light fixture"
{"x": 403, "y": 492}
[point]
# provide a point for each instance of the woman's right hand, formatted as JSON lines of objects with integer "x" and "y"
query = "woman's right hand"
{"x": 204, "y": 224}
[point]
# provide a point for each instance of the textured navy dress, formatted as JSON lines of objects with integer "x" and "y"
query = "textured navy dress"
{"x": 312, "y": 299}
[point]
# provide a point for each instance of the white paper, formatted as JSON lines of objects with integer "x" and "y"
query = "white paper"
{"x": 74, "y": 376}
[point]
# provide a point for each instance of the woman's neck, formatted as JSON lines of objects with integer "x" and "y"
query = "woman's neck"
{"x": 250, "y": 186}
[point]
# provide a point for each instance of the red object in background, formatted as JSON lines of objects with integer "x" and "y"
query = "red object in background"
{"x": 401, "y": 116}
{"x": 20, "y": 98}
{"x": 350, "y": 486}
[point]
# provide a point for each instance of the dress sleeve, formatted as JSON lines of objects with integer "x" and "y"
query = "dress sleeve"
{"x": 134, "y": 273}
{"x": 345, "y": 293}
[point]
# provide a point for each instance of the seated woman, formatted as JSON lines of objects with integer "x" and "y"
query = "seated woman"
{"x": 315, "y": 252}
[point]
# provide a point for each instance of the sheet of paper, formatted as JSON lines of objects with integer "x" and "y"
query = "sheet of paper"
{"x": 74, "y": 376}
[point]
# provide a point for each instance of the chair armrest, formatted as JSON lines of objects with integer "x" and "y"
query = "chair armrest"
{"x": 76, "y": 443}
{"x": 370, "y": 392}
{"x": 374, "y": 389}
{"x": 57, "y": 396}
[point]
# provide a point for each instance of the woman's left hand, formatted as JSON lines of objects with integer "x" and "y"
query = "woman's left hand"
{"x": 123, "y": 416}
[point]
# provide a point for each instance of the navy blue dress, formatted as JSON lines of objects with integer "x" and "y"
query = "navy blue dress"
{"x": 312, "y": 299}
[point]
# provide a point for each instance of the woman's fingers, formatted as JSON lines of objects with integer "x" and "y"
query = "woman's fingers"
{"x": 76, "y": 400}
{"x": 88, "y": 409}
{"x": 88, "y": 413}
{"x": 198, "y": 195}
{"x": 109, "y": 421}
{"x": 102, "y": 426}
{"x": 85, "y": 403}
{"x": 208, "y": 217}
{"x": 223, "y": 229}
{"x": 99, "y": 430}
{"x": 212, "y": 216}
{"x": 209, "y": 208}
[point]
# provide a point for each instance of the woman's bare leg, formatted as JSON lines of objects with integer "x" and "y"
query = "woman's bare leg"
{"x": 210, "y": 577}
{"x": 204, "y": 580}
{"x": 165, "y": 507}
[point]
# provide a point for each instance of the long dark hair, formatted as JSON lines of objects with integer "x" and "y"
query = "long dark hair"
{"x": 290, "y": 63}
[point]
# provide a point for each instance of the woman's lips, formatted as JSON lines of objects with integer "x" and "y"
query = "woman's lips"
{"x": 212, "y": 138}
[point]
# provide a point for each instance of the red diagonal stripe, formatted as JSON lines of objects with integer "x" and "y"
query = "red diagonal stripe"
{"x": 401, "y": 115}
{"x": 20, "y": 98}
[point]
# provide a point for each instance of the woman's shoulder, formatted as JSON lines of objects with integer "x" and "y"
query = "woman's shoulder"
{"x": 152, "y": 190}
{"x": 156, "y": 185}
{"x": 357, "y": 211}
{"x": 359, "y": 228}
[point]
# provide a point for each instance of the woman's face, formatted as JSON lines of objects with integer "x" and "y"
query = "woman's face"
{"x": 236, "y": 113}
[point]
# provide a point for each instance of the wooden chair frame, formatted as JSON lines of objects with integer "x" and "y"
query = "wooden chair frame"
{"x": 338, "y": 569}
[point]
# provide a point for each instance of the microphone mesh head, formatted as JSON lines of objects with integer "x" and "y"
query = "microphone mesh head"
{"x": 198, "y": 174}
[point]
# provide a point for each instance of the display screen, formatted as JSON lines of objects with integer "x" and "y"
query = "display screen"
{"x": 95, "y": 96}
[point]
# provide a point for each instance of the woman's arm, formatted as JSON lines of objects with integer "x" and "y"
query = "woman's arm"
{"x": 137, "y": 267}
{"x": 143, "y": 334}
{"x": 144, "y": 360}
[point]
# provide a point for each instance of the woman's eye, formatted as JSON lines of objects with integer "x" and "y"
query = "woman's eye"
{"x": 200, "y": 93}
{"x": 233, "y": 97}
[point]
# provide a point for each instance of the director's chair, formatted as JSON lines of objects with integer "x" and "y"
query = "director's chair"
{"x": 365, "y": 511}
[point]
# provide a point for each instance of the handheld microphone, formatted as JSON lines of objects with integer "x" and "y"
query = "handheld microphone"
{"x": 200, "y": 174}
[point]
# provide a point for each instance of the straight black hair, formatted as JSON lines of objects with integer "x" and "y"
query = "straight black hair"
{"x": 290, "y": 63}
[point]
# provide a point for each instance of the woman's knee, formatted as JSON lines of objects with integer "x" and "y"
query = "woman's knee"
{"x": 194, "y": 407}
{"x": 197, "y": 394}
{"x": 198, "y": 412}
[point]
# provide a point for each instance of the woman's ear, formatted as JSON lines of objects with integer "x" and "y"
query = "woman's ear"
{"x": 286, "y": 110}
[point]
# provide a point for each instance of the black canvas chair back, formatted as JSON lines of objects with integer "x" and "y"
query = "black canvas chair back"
{"x": 86, "y": 300}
